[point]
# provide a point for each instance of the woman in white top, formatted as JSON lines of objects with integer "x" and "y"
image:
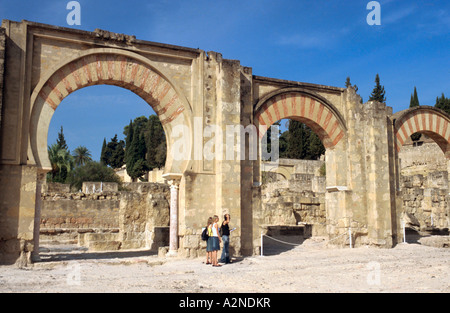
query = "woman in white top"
{"x": 215, "y": 241}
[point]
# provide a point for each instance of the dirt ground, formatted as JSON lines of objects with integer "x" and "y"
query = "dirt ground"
{"x": 310, "y": 267}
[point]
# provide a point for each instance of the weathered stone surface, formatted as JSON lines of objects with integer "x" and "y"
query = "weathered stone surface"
{"x": 134, "y": 219}
{"x": 192, "y": 91}
{"x": 425, "y": 200}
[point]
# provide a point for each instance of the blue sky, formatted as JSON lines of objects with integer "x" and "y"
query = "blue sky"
{"x": 318, "y": 41}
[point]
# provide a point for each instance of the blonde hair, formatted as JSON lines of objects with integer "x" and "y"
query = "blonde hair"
{"x": 210, "y": 221}
{"x": 215, "y": 217}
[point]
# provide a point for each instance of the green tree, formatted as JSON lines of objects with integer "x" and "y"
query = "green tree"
{"x": 414, "y": 102}
{"x": 267, "y": 139}
{"x": 378, "y": 93}
{"x": 300, "y": 142}
{"x": 347, "y": 82}
{"x": 114, "y": 153}
{"x": 129, "y": 133}
{"x": 92, "y": 172}
{"x": 156, "y": 143}
{"x": 297, "y": 140}
{"x": 81, "y": 156}
{"x": 315, "y": 147}
{"x": 283, "y": 144}
{"x": 443, "y": 103}
{"x": 61, "y": 161}
{"x": 103, "y": 158}
{"x": 136, "y": 162}
{"x": 161, "y": 154}
{"x": 61, "y": 140}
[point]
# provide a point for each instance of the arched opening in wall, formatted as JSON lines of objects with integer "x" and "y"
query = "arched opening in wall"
{"x": 294, "y": 208}
{"x": 103, "y": 141}
{"x": 293, "y": 184}
{"x": 424, "y": 185}
{"x": 300, "y": 151}
{"x": 423, "y": 167}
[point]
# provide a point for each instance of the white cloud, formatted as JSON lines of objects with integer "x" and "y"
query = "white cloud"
{"x": 390, "y": 17}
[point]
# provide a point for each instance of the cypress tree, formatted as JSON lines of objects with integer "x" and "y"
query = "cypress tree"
{"x": 117, "y": 153}
{"x": 61, "y": 140}
{"x": 347, "y": 82}
{"x": 103, "y": 157}
{"x": 136, "y": 163}
{"x": 156, "y": 142}
{"x": 414, "y": 102}
{"x": 297, "y": 139}
{"x": 443, "y": 103}
{"x": 378, "y": 93}
{"x": 315, "y": 147}
{"x": 113, "y": 153}
{"x": 415, "y": 99}
{"x": 129, "y": 132}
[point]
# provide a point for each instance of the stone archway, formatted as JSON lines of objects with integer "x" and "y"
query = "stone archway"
{"x": 424, "y": 119}
{"x": 434, "y": 123}
{"x": 306, "y": 107}
{"x": 107, "y": 67}
{"x": 110, "y": 67}
{"x": 324, "y": 120}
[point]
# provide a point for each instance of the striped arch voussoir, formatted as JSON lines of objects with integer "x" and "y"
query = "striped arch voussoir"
{"x": 432, "y": 122}
{"x": 116, "y": 70}
{"x": 320, "y": 117}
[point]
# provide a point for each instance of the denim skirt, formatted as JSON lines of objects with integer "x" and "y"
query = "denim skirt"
{"x": 213, "y": 244}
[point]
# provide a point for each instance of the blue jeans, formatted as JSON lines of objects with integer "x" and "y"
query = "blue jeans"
{"x": 225, "y": 258}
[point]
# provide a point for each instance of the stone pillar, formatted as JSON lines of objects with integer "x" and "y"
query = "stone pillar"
{"x": 41, "y": 177}
{"x": 174, "y": 182}
{"x": 17, "y": 206}
{"x": 378, "y": 176}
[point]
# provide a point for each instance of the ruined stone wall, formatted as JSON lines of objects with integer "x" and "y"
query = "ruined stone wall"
{"x": 426, "y": 200}
{"x": 423, "y": 159}
{"x": 67, "y": 215}
{"x": 142, "y": 209}
{"x": 110, "y": 220}
{"x": 299, "y": 200}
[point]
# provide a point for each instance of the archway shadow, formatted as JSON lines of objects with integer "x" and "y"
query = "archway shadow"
{"x": 414, "y": 236}
{"x": 281, "y": 239}
{"x": 83, "y": 254}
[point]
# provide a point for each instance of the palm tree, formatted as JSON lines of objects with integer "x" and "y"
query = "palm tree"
{"x": 62, "y": 162}
{"x": 82, "y": 155}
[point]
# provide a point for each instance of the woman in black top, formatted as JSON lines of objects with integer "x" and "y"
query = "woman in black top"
{"x": 225, "y": 229}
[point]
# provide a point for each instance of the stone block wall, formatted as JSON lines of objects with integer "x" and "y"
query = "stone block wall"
{"x": 111, "y": 220}
{"x": 142, "y": 208}
{"x": 65, "y": 216}
{"x": 299, "y": 200}
{"x": 421, "y": 159}
{"x": 425, "y": 197}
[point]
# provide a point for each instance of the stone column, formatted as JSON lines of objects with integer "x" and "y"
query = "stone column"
{"x": 379, "y": 179}
{"x": 41, "y": 177}
{"x": 174, "y": 182}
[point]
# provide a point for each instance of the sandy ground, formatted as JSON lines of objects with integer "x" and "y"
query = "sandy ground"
{"x": 310, "y": 267}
